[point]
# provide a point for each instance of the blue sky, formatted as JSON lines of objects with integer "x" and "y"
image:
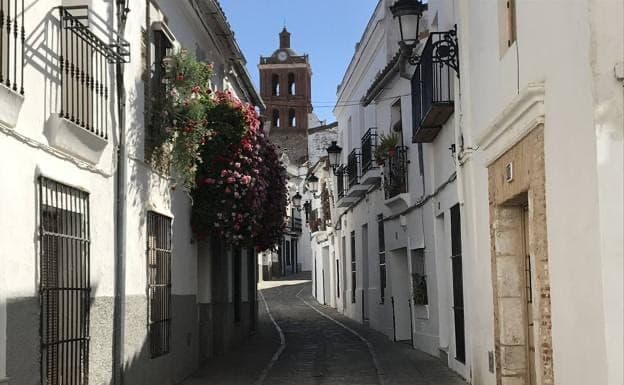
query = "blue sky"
{"x": 327, "y": 30}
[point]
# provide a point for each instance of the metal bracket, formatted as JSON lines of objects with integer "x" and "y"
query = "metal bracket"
{"x": 445, "y": 50}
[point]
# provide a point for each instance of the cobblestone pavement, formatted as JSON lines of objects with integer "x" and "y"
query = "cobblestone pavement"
{"x": 321, "y": 347}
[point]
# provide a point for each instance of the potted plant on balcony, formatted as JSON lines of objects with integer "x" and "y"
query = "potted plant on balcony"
{"x": 386, "y": 148}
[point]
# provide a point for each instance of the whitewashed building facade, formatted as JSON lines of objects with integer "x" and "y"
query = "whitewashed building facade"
{"x": 99, "y": 256}
{"x": 502, "y": 247}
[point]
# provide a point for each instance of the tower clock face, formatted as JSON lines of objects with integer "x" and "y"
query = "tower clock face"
{"x": 282, "y": 56}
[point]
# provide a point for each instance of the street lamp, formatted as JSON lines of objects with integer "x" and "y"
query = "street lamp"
{"x": 313, "y": 183}
{"x": 333, "y": 153}
{"x": 296, "y": 201}
{"x": 409, "y": 13}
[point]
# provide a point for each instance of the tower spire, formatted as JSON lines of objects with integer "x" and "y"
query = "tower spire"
{"x": 284, "y": 37}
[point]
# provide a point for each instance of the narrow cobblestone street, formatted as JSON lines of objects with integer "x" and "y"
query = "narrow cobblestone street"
{"x": 320, "y": 346}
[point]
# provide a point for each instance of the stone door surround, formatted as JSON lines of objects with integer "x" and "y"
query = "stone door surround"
{"x": 513, "y": 147}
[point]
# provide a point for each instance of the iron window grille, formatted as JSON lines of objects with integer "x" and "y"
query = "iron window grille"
{"x": 369, "y": 144}
{"x": 84, "y": 61}
{"x": 432, "y": 86}
{"x": 419, "y": 278}
{"x": 294, "y": 223}
{"x": 156, "y": 90}
{"x": 12, "y": 47}
{"x": 395, "y": 176}
{"x": 382, "y": 257}
{"x": 159, "y": 283}
{"x": 353, "y": 268}
{"x": 353, "y": 167}
{"x": 65, "y": 287}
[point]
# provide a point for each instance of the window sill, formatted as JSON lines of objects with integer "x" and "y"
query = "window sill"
{"x": 4, "y": 381}
{"x": 10, "y": 106}
{"x": 372, "y": 176}
{"x": 398, "y": 203}
{"x": 74, "y": 140}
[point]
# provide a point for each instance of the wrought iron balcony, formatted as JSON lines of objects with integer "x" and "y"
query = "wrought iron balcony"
{"x": 295, "y": 224}
{"x": 432, "y": 86}
{"x": 12, "y": 37}
{"x": 369, "y": 144}
{"x": 84, "y": 61}
{"x": 395, "y": 175}
{"x": 353, "y": 163}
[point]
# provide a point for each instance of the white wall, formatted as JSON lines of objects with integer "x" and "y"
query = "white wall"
{"x": 574, "y": 60}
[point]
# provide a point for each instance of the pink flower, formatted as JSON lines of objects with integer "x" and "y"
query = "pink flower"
{"x": 227, "y": 190}
{"x": 209, "y": 181}
{"x": 223, "y": 173}
{"x": 237, "y": 164}
{"x": 236, "y": 174}
{"x": 231, "y": 180}
{"x": 246, "y": 179}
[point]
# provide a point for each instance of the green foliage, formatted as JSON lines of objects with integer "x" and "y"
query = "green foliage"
{"x": 180, "y": 111}
{"x": 387, "y": 143}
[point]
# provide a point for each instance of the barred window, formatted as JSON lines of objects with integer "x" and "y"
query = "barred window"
{"x": 159, "y": 282}
{"x": 160, "y": 45}
{"x": 382, "y": 257}
{"x": 65, "y": 286}
{"x": 419, "y": 277}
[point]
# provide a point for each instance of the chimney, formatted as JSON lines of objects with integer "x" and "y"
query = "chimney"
{"x": 284, "y": 38}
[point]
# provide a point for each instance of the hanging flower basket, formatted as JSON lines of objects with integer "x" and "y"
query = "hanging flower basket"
{"x": 215, "y": 144}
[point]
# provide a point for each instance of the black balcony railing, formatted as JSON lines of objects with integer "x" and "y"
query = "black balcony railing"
{"x": 395, "y": 182}
{"x": 432, "y": 86}
{"x": 12, "y": 36}
{"x": 353, "y": 163}
{"x": 369, "y": 144}
{"x": 340, "y": 181}
{"x": 84, "y": 61}
{"x": 295, "y": 224}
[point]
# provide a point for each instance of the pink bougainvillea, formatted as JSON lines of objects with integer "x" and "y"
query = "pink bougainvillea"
{"x": 240, "y": 194}
{"x": 216, "y": 144}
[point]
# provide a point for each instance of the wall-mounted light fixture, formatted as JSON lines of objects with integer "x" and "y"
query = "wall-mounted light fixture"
{"x": 444, "y": 50}
{"x": 333, "y": 153}
{"x": 313, "y": 183}
{"x": 409, "y": 13}
{"x": 296, "y": 201}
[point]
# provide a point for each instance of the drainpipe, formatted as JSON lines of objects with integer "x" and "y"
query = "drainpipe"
{"x": 120, "y": 209}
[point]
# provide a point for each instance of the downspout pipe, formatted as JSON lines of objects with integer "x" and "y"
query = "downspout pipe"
{"x": 121, "y": 11}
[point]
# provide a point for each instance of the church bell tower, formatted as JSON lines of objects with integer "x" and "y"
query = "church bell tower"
{"x": 285, "y": 86}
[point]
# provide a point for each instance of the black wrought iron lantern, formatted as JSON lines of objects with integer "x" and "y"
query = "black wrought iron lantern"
{"x": 333, "y": 153}
{"x": 409, "y": 13}
{"x": 313, "y": 183}
{"x": 296, "y": 201}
